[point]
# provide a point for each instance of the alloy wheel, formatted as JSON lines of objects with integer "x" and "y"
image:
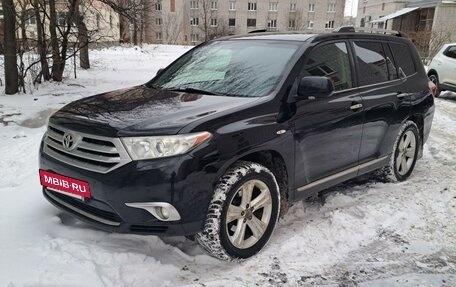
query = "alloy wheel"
{"x": 248, "y": 214}
{"x": 406, "y": 152}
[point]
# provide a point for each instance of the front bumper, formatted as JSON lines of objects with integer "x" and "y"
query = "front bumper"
{"x": 179, "y": 181}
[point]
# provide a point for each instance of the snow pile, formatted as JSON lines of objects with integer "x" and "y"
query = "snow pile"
{"x": 360, "y": 233}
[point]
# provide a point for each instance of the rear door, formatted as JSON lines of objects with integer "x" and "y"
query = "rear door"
{"x": 385, "y": 98}
{"x": 327, "y": 131}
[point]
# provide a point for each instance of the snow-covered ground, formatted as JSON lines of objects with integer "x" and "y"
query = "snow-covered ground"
{"x": 361, "y": 233}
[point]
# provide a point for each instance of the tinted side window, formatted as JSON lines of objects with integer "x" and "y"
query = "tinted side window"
{"x": 403, "y": 58}
{"x": 332, "y": 61}
{"x": 371, "y": 62}
{"x": 450, "y": 52}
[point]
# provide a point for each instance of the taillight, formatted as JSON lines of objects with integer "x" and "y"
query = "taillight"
{"x": 433, "y": 89}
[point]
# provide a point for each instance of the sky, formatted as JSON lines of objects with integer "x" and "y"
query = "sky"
{"x": 351, "y": 8}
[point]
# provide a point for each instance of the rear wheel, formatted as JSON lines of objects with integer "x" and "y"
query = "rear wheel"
{"x": 405, "y": 153}
{"x": 242, "y": 214}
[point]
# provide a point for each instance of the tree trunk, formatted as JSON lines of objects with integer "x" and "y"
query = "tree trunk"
{"x": 41, "y": 42}
{"x": 57, "y": 73}
{"x": 135, "y": 31}
{"x": 83, "y": 38}
{"x": 11, "y": 74}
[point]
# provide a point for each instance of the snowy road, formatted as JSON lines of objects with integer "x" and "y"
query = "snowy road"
{"x": 361, "y": 233}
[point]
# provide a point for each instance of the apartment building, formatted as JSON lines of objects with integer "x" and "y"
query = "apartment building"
{"x": 101, "y": 21}
{"x": 428, "y": 23}
{"x": 195, "y": 21}
{"x": 370, "y": 10}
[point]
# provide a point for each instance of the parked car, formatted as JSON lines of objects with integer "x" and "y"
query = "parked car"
{"x": 225, "y": 137}
{"x": 442, "y": 70}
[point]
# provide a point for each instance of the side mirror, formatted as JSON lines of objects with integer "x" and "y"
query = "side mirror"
{"x": 315, "y": 87}
{"x": 159, "y": 71}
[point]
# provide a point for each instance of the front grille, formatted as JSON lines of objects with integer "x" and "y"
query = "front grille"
{"x": 90, "y": 152}
{"x": 91, "y": 212}
{"x": 106, "y": 213}
{"x": 148, "y": 229}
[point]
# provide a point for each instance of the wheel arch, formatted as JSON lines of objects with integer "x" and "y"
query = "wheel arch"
{"x": 432, "y": 72}
{"x": 419, "y": 121}
{"x": 275, "y": 162}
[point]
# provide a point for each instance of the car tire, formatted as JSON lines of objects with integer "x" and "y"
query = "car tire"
{"x": 405, "y": 153}
{"x": 242, "y": 214}
{"x": 433, "y": 77}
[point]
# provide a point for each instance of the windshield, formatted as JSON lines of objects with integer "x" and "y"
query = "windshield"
{"x": 234, "y": 68}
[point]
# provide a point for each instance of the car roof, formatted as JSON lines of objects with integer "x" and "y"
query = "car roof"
{"x": 305, "y": 37}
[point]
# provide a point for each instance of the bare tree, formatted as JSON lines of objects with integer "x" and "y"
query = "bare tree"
{"x": 11, "y": 73}
{"x": 172, "y": 28}
{"x": 438, "y": 38}
{"x": 38, "y": 6}
{"x": 135, "y": 12}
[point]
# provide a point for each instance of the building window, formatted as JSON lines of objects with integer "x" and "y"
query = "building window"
{"x": 232, "y": 22}
{"x": 194, "y": 21}
{"x": 364, "y": 10}
{"x": 232, "y": 6}
{"x": 332, "y": 7}
{"x": 383, "y": 6}
{"x": 272, "y": 23}
{"x": 251, "y": 22}
{"x": 158, "y": 36}
{"x": 172, "y": 6}
{"x": 292, "y": 6}
{"x": 252, "y": 6}
{"x": 193, "y": 4}
{"x": 312, "y": 7}
{"x": 30, "y": 18}
{"x": 61, "y": 18}
{"x": 158, "y": 21}
{"x": 214, "y": 5}
{"x": 194, "y": 38}
{"x": 111, "y": 21}
{"x": 310, "y": 24}
{"x": 273, "y": 6}
{"x": 292, "y": 24}
{"x": 214, "y": 22}
{"x": 158, "y": 6}
{"x": 329, "y": 24}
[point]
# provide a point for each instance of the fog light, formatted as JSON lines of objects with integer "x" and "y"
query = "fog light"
{"x": 164, "y": 213}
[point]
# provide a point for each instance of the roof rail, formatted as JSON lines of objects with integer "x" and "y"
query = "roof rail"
{"x": 351, "y": 29}
{"x": 258, "y": 31}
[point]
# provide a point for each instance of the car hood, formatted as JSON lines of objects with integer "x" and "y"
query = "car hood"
{"x": 141, "y": 110}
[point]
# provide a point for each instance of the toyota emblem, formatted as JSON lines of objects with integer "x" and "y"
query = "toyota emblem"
{"x": 68, "y": 141}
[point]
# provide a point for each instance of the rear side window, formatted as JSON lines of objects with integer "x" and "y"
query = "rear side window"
{"x": 403, "y": 58}
{"x": 450, "y": 52}
{"x": 371, "y": 62}
{"x": 332, "y": 61}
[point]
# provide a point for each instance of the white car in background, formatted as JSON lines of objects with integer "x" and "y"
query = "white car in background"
{"x": 442, "y": 70}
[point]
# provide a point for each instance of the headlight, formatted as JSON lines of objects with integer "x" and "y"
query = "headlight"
{"x": 163, "y": 146}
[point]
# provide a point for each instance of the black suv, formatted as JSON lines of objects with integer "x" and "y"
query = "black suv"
{"x": 235, "y": 130}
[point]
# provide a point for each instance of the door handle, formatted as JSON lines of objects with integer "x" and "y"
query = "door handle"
{"x": 356, "y": 107}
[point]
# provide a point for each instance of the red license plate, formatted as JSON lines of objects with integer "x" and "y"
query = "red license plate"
{"x": 67, "y": 185}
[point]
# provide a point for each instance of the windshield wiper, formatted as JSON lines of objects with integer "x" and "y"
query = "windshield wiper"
{"x": 193, "y": 91}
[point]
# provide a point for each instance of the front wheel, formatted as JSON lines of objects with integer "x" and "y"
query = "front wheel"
{"x": 405, "y": 152}
{"x": 242, "y": 214}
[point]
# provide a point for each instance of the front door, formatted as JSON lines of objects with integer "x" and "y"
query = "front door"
{"x": 327, "y": 131}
